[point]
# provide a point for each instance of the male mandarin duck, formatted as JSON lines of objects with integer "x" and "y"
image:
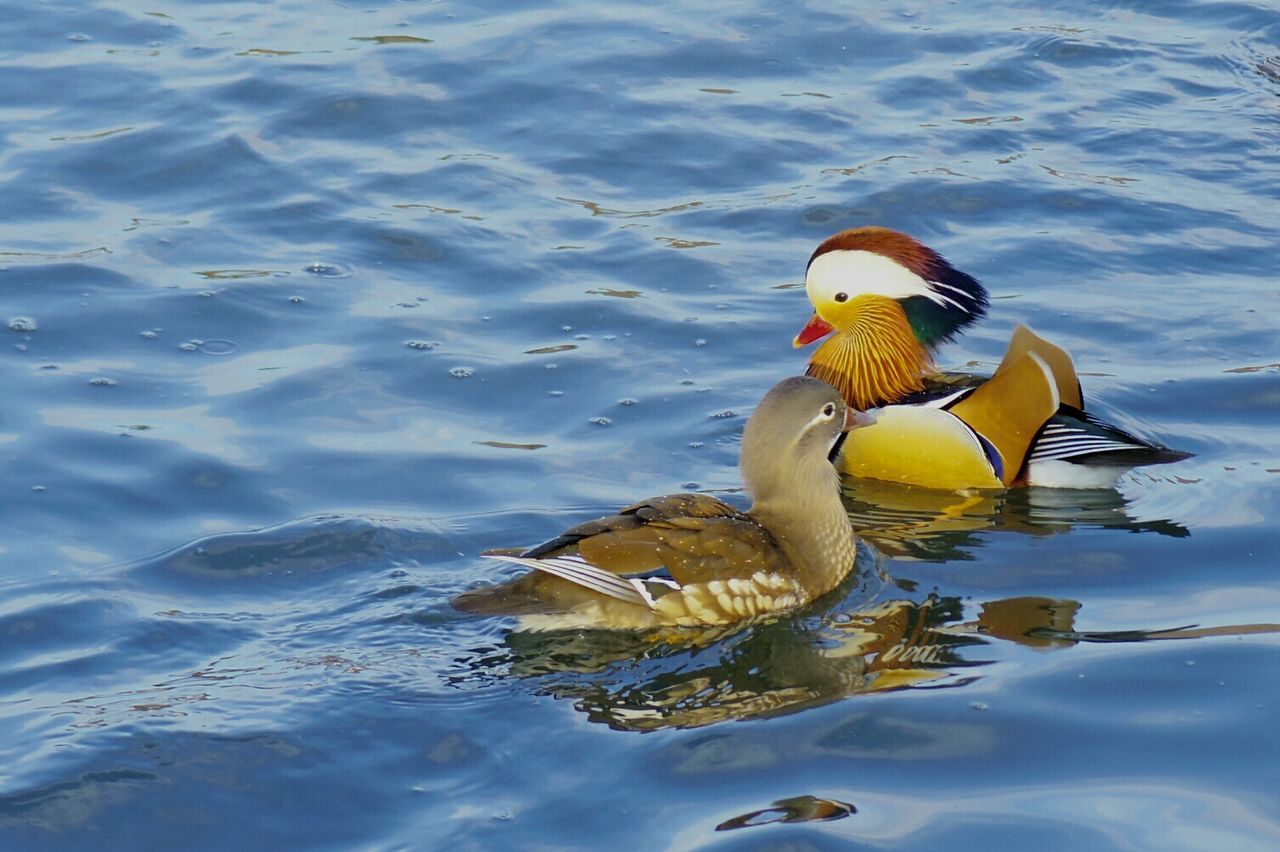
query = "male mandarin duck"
{"x": 888, "y": 302}
{"x": 693, "y": 560}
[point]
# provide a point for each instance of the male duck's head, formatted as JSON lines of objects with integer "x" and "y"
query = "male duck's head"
{"x": 891, "y": 301}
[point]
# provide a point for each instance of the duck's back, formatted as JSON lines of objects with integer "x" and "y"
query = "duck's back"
{"x": 692, "y": 539}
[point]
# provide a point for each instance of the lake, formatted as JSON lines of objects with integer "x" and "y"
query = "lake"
{"x": 308, "y": 304}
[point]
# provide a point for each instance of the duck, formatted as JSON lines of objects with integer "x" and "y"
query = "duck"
{"x": 885, "y": 303}
{"x": 692, "y": 560}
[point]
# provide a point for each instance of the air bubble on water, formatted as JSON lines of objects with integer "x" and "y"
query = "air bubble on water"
{"x": 208, "y": 294}
{"x": 327, "y": 270}
{"x": 462, "y": 372}
{"x": 556, "y": 394}
{"x": 566, "y": 328}
{"x": 686, "y": 381}
{"x": 219, "y": 347}
{"x": 21, "y": 347}
{"x": 486, "y": 319}
{"x": 582, "y": 337}
{"x": 421, "y": 345}
{"x": 690, "y": 486}
{"x": 703, "y": 390}
{"x": 38, "y": 488}
{"x": 609, "y": 337}
{"x": 297, "y": 300}
{"x": 24, "y": 325}
{"x": 78, "y": 37}
{"x": 550, "y": 366}
{"x": 602, "y": 421}
{"x": 190, "y": 345}
{"x": 103, "y": 382}
{"x": 628, "y": 401}
{"x": 978, "y": 705}
{"x": 695, "y": 444}
{"x": 149, "y": 334}
{"x": 701, "y": 341}
{"x": 724, "y": 415}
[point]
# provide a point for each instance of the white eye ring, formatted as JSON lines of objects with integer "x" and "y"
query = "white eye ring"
{"x": 829, "y": 410}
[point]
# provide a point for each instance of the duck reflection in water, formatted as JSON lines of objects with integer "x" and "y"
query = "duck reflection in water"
{"x": 634, "y": 683}
{"x": 863, "y": 637}
{"x": 930, "y": 525}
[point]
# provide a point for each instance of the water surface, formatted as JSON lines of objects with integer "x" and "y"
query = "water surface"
{"x": 309, "y": 304}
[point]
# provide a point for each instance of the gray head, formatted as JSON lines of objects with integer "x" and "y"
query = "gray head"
{"x": 788, "y": 442}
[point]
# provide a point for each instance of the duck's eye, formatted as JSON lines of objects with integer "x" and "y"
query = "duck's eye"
{"x": 842, "y": 297}
{"x": 829, "y": 410}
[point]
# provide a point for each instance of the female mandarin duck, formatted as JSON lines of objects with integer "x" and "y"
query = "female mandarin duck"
{"x": 891, "y": 301}
{"x": 692, "y": 560}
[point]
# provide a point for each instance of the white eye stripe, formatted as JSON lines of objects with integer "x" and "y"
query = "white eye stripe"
{"x": 874, "y": 274}
{"x": 826, "y": 415}
{"x": 869, "y": 272}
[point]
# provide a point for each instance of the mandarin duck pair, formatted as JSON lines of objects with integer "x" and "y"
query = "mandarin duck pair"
{"x": 885, "y": 302}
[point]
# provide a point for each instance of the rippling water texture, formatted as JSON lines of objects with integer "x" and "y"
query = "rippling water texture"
{"x": 308, "y": 303}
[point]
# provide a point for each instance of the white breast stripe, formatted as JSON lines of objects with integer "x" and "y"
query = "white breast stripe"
{"x": 577, "y": 570}
{"x": 944, "y": 401}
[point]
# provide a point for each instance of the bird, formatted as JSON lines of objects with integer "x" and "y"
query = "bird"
{"x": 886, "y": 302}
{"x": 692, "y": 560}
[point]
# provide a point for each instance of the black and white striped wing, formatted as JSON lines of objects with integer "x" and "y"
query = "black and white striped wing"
{"x": 575, "y": 569}
{"x": 1081, "y": 437}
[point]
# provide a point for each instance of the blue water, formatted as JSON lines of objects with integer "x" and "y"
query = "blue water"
{"x": 309, "y": 303}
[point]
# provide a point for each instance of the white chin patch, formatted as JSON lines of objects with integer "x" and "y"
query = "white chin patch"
{"x": 861, "y": 273}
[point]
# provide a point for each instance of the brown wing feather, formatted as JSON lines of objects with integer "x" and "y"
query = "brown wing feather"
{"x": 695, "y": 536}
{"x": 637, "y": 515}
